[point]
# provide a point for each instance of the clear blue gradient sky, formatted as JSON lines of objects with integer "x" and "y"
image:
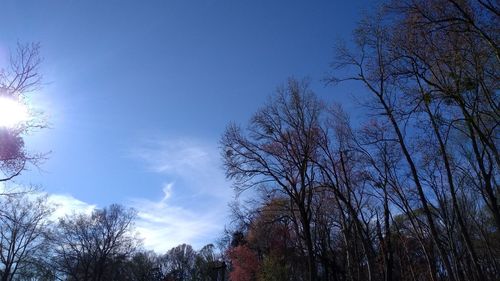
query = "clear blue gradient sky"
{"x": 139, "y": 92}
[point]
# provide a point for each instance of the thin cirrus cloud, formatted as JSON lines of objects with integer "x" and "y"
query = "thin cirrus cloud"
{"x": 67, "y": 205}
{"x": 163, "y": 225}
{"x": 160, "y": 224}
{"x": 193, "y": 208}
{"x": 191, "y": 161}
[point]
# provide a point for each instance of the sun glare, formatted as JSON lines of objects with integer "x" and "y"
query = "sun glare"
{"x": 12, "y": 112}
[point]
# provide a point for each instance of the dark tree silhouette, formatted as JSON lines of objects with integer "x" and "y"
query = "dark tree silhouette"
{"x": 24, "y": 236}
{"x": 94, "y": 247}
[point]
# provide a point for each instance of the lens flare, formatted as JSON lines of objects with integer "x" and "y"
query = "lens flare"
{"x": 12, "y": 112}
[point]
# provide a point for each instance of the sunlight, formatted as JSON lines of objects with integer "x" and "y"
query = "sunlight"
{"x": 12, "y": 112}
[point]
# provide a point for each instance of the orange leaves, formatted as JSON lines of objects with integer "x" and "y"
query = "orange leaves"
{"x": 245, "y": 263}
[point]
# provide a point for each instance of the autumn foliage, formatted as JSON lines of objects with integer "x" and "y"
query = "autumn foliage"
{"x": 245, "y": 263}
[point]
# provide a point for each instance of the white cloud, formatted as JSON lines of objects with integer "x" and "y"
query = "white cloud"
{"x": 193, "y": 205}
{"x": 167, "y": 191}
{"x": 194, "y": 209}
{"x": 174, "y": 156}
{"x": 64, "y": 204}
{"x": 68, "y": 205}
{"x": 163, "y": 225}
{"x": 189, "y": 160}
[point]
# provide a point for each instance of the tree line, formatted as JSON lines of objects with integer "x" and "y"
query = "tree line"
{"x": 98, "y": 246}
{"x": 409, "y": 191}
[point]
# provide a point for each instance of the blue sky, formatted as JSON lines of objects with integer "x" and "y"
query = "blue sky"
{"x": 138, "y": 93}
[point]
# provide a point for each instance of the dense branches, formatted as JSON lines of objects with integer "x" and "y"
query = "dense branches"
{"x": 412, "y": 192}
{"x": 88, "y": 246}
{"x": 279, "y": 151}
{"x": 24, "y": 237}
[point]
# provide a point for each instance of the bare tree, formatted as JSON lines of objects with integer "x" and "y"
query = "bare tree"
{"x": 278, "y": 150}
{"x": 143, "y": 266}
{"x": 412, "y": 194}
{"x": 17, "y": 80}
{"x": 89, "y": 246}
{"x": 178, "y": 263}
{"x": 432, "y": 70}
{"x": 24, "y": 235}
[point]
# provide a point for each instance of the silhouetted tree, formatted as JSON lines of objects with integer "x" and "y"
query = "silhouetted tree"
{"x": 24, "y": 237}
{"x": 179, "y": 263}
{"x": 279, "y": 148}
{"x": 95, "y": 247}
{"x": 144, "y": 266}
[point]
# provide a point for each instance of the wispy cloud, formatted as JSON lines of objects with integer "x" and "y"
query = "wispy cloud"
{"x": 163, "y": 225}
{"x": 192, "y": 161}
{"x": 193, "y": 208}
{"x": 160, "y": 224}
